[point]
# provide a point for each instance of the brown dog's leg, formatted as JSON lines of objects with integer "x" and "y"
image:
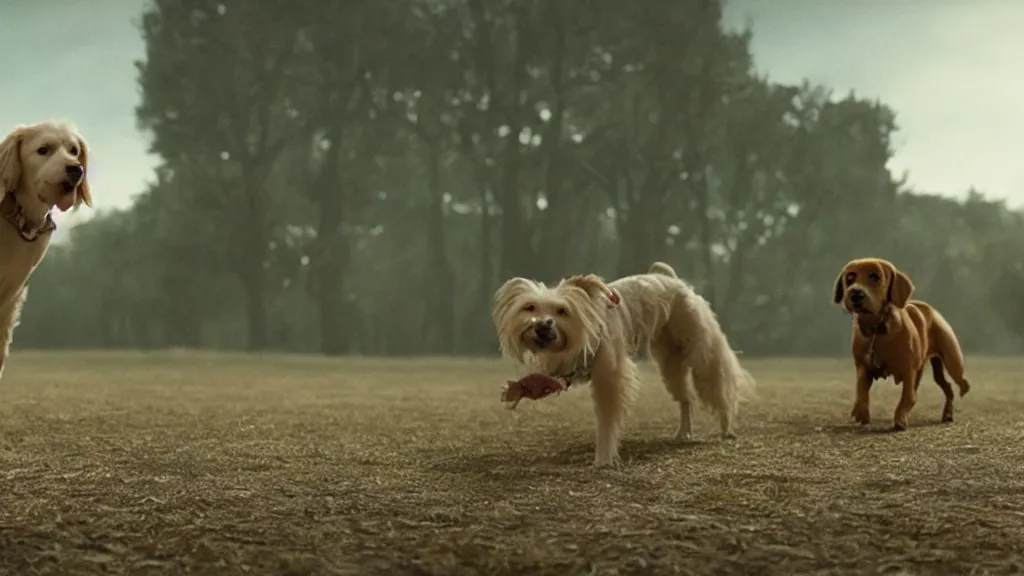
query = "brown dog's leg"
{"x": 907, "y": 399}
{"x": 947, "y": 390}
{"x": 862, "y": 405}
{"x": 953, "y": 358}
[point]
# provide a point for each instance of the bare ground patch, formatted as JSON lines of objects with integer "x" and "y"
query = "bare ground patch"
{"x": 194, "y": 463}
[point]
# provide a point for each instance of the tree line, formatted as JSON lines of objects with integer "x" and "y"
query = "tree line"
{"x": 358, "y": 177}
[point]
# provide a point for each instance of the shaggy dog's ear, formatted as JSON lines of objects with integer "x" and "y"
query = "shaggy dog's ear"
{"x": 513, "y": 288}
{"x": 900, "y": 287}
{"x": 595, "y": 287}
{"x": 506, "y": 305}
{"x": 10, "y": 160}
{"x": 507, "y": 295}
{"x": 837, "y": 292}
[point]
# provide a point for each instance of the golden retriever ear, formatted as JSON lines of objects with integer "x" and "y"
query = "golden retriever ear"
{"x": 84, "y": 194}
{"x": 837, "y": 292}
{"x": 900, "y": 287}
{"x": 594, "y": 286}
{"x": 10, "y": 160}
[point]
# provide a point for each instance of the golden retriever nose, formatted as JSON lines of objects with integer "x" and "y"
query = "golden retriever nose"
{"x": 74, "y": 172}
{"x": 856, "y": 295}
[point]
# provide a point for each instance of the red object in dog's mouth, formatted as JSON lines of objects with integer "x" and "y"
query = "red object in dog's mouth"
{"x": 533, "y": 386}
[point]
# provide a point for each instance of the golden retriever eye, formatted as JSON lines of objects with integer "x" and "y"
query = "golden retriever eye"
{"x": 43, "y": 150}
{"x": 562, "y": 312}
{"x": 529, "y": 308}
{"x": 74, "y": 151}
{"x": 874, "y": 277}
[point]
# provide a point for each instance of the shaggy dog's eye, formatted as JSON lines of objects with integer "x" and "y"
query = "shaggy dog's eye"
{"x": 74, "y": 151}
{"x": 874, "y": 277}
{"x": 562, "y": 312}
{"x": 529, "y": 308}
{"x": 42, "y": 150}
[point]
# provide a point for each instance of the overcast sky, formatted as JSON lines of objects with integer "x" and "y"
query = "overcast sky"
{"x": 953, "y": 70}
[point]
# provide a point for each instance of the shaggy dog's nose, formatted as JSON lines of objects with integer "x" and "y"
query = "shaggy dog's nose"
{"x": 545, "y": 330}
{"x": 74, "y": 172}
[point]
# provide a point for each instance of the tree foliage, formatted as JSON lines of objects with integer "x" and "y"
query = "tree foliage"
{"x": 358, "y": 177}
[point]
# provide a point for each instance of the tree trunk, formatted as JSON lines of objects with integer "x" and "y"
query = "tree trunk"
{"x": 254, "y": 243}
{"x": 516, "y": 257}
{"x": 440, "y": 276}
{"x": 334, "y": 336}
{"x": 332, "y": 255}
{"x": 254, "y": 290}
{"x": 554, "y": 234}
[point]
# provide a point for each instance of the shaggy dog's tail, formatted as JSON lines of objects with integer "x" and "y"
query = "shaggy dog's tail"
{"x": 663, "y": 269}
{"x": 719, "y": 380}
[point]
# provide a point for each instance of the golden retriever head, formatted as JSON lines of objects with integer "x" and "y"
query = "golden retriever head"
{"x": 45, "y": 165}
{"x": 868, "y": 285}
{"x": 552, "y": 327}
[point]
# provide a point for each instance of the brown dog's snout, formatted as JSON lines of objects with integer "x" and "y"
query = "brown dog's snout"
{"x": 857, "y": 295}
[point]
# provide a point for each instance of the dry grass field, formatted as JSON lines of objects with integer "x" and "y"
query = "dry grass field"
{"x": 192, "y": 463}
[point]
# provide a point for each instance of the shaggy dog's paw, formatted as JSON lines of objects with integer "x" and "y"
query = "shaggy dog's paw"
{"x": 607, "y": 462}
{"x": 682, "y": 435}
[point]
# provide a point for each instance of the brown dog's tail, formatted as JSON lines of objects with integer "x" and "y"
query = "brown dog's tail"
{"x": 663, "y": 269}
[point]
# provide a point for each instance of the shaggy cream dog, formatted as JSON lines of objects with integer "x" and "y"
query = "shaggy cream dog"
{"x": 41, "y": 166}
{"x": 583, "y": 329}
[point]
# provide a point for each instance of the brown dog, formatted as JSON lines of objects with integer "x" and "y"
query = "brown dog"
{"x": 894, "y": 335}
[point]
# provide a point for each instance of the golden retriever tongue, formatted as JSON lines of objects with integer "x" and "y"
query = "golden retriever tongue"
{"x": 66, "y": 202}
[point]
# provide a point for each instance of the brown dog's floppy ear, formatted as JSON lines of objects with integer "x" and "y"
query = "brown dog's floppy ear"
{"x": 900, "y": 287}
{"x": 10, "y": 160}
{"x": 837, "y": 292}
{"x": 595, "y": 287}
{"x": 84, "y": 194}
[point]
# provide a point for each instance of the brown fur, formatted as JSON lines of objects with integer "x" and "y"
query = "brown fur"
{"x": 896, "y": 336}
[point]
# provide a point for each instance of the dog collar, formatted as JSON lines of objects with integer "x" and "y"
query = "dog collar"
{"x": 15, "y": 215}
{"x": 580, "y": 371}
{"x": 613, "y": 295}
{"x": 878, "y": 329}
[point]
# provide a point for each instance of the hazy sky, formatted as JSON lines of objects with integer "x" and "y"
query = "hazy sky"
{"x": 953, "y": 70}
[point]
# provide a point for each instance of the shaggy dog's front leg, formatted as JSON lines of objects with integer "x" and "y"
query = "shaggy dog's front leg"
{"x": 612, "y": 392}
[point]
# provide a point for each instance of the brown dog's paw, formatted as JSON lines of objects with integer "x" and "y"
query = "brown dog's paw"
{"x": 947, "y": 414}
{"x": 899, "y": 427}
{"x": 861, "y": 414}
{"x": 964, "y": 387}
